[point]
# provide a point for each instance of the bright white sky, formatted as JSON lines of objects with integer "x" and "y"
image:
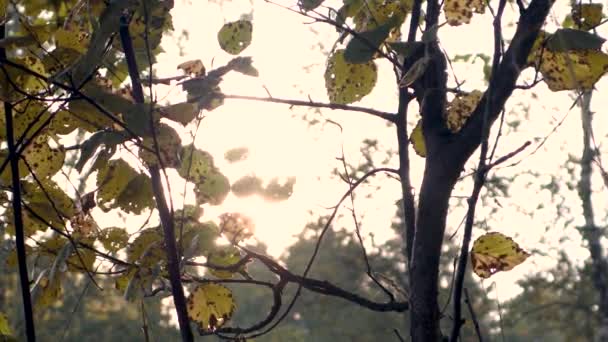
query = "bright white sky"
{"x": 289, "y": 53}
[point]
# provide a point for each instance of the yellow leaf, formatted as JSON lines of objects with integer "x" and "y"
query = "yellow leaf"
{"x": 569, "y": 70}
{"x": 210, "y": 306}
{"x": 417, "y": 140}
{"x": 346, "y": 82}
{"x": 113, "y": 238}
{"x": 459, "y": 12}
{"x": 224, "y": 257}
{"x": 461, "y": 107}
{"x": 235, "y": 37}
{"x": 5, "y": 328}
{"x": 495, "y": 252}
{"x": 588, "y": 15}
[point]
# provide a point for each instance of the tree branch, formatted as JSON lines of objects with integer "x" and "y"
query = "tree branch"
{"x": 13, "y": 156}
{"x": 166, "y": 217}
{"x": 334, "y": 106}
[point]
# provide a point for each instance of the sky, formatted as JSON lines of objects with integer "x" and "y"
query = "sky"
{"x": 290, "y": 51}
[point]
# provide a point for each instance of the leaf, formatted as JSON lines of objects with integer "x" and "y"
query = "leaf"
{"x": 244, "y": 65}
{"x": 347, "y": 83}
{"x": 113, "y": 238}
{"x": 275, "y": 191}
{"x": 200, "y": 237}
{"x": 5, "y": 328}
{"x": 458, "y": 12}
{"x": 460, "y": 108}
{"x": 210, "y": 306}
{"x": 236, "y": 154}
{"x": 406, "y": 49}
{"x": 372, "y": 13}
{"x": 234, "y": 37}
{"x": 362, "y": 47}
{"x": 44, "y": 160}
{"x": 495, "y": 252}
{"x": 224, "y": 257}
{"x": 579, "y": 69}
{"x": 417, "y": 140}
{"x": 415, "y": 72}
{"x": 569, "y": 40}
{"x": 194, "y": 67}
{"x": 147, "y": 249}
{"x": 46, "y": 291}
{"x": 90, "y": 146}
{"x": 213, "y": 189}
{"x": 587, "y": 15}
{"x": 112, "y": 181}
{"x": 195, "y": 164}
{"x": 169, "y": 147}
{"x": 136, "y": 196}
{"x": 247, "y": 186}
{"x": 183, "y": 112}
{"x": 309, "y": 5}
{"x": 236, "y": 227}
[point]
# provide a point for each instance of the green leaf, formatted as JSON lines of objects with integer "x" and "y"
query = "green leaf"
{"x": 195, "y": 164}
{"x": 112, "y": 181}
{"x": 247, "y": 186}
{"x": 346, "y": 82}
{"x": 236, "y": 154}
{"x": 571, "y": 40}
{"x": 213, "y": 189}
{"x": 225, "y": 256}
{"x": 234, "y": 37}
{"x": 363, "y": 47}
{"x": 279, "y": 191}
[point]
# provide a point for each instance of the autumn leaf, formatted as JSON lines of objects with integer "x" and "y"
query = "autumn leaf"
{"x": 417, "y": 140}
{"x": 495, "y": 252}
{"x": 346, "y": 82}
{"x": 210, "y": 306}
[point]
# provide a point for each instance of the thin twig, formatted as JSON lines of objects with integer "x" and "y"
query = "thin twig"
{"x": 384, "y": 115}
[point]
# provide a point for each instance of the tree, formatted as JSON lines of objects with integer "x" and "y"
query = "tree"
{"x": 66, "y": 66}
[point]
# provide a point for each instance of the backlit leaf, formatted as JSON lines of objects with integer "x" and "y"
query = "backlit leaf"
{"x": 247, "y": 186}
{"x": 236, "y": 227}
{"x": 346, "y": 82}
{"x": 234, "y": 37}
{"x": 579, "y": 69}
{"x": 195, "y": 164}
{"x": 113, "y": 238}
{"x": 213, "y": 189}
{"x": 236, "y": 154}
{"x": 183, "y": 112}
{"x": 460, "y": 108}
{"x": 277, "y": 190}
{"x": 210, "y": 306}
{"x": 417, "y": 140}
{"x": 224, "y": 257}
{"x": 495, "y": 252}
{"x": 169, "y": 146}
{"x": 587, "y": 15}
{"x": 459, "y": 12}
{"x": 112, "y": 181}
{"x": 308, "y": 5}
